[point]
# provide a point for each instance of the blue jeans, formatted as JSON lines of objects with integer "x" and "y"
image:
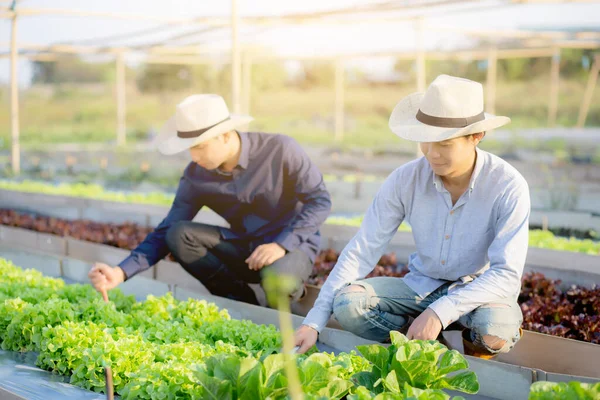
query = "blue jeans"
{"x": 386, "y": 304}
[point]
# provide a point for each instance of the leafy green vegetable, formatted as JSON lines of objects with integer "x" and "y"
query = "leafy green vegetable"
{"x": 422, "y": 364}
{"x": 564, "y": 391}
{"x": 163, "y": 348}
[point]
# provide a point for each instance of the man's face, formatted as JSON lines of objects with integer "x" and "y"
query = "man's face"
{"x": 450, "y": 157}
{"x": 210, "y": 154}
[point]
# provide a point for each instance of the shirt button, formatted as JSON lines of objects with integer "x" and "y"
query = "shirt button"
{"x": 443, "y": 262}
{"x": 451, "y": 212}
{"x": 447, "y": 237}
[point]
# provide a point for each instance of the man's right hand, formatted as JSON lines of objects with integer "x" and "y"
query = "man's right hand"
{"x": 306, "y": 337}
{"x": 105, "y": 277}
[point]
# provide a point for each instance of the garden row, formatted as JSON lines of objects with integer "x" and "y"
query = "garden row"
{"x": 573, "y": 313}
{"x": 193, "y": 349}
{"x": 162, "y": 348}
{"x": 538, "y": 238}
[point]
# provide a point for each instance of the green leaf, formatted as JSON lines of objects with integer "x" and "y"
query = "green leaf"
{"x": 227, "y": 368}
{"x": 424, "y": 394}
{"x": 452, "y": 361}
{"x": 362, "y": 393}
{"x": 250, "y": 380}
{"x": 273, "y": 366}
{"x": 464, "y": 382}
{"x": 368, "y": 380}
{"x": 215, "y": 388}
{"x": 335, "y": 389}
{"x": 313, "y": 376}
{"x": 391, "y": 383}
{"x": 377, "y": 355}
{"x": 398, "y": 339}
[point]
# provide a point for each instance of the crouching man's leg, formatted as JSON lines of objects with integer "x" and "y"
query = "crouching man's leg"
{"x": 492, "y": 329}
{"x": 373, "y": 307}
{"x": 202, "y": 252}
{"x": 295, "y": 264}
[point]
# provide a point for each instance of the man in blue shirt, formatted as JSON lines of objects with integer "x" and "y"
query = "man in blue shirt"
{"x": 265, "y": 186}
{"x": 469, "y": 214}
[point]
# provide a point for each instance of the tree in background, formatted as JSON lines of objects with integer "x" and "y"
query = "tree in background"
{"x": 164, "y": 78}
{"x": 318, "y": 73}
{"x": 71, "y": 69}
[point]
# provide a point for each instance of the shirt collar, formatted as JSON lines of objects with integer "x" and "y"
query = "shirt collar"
{"x": 478, "y": 167}
{"x": 439, "y": 185}
{"x": 245, "y": 152}
{"x": 437, "y": 182}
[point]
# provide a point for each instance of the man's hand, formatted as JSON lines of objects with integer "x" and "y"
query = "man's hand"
{"x": 305, "y": 338}
{"x": 426, "y": 326}
{"x": 265, "y": 254}
{"x": 105, "y": 277}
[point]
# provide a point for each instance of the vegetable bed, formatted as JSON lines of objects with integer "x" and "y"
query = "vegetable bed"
{"x": 163, "y": 348}
{"x": 574, "y": 314}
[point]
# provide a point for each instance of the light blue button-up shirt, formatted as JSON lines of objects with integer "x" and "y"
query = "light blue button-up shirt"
{"x": 480, "y": 243}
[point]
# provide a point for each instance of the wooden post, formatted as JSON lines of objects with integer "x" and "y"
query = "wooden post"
{"x": 121, "y": 101}
{"x": 554, "y": 81}
{"x": 339, "y": 100}
{"x": 235, "y": 59}
{"x": 421, "y": 81}
{"x": 492, "y": 77}
{"x": 14, "y": 100}
{"x": 247, "y": 82}
{"x": 589, "y": 91}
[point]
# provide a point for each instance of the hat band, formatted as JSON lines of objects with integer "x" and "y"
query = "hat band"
{"x": 198, "y": 132}
{"x": 443, "y": 122}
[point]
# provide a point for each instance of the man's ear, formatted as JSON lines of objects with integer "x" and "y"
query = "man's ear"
{"x": 479, "y": 136}
{"x": 227, "y": 136}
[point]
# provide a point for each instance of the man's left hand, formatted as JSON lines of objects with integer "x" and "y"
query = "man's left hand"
{"x": 265, "y": 254}
{"x": 426, "y": 326}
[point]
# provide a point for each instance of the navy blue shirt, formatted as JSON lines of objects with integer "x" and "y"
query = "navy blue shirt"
{"x": 274, "y": 194}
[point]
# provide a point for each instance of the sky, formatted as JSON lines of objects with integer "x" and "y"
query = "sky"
{"x": 307, "y": 39}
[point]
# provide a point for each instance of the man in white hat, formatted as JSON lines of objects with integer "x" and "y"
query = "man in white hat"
{"x": 264, "y": 185}
{"x": 469, "y": 213}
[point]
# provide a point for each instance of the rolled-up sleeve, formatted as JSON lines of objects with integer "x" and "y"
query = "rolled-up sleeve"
{"x": 154, "y": 247}
{"x": 507, "y": 254}
{"x": 360, "y": 256}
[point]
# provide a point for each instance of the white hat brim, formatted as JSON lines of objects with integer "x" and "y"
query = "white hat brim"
{"x": 169, "y": 143}
{"x": 404, "y": 123}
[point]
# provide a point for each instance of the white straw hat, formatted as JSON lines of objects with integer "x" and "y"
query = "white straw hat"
{"x": 451, "y": 107}
{"x": 197, "y": 119}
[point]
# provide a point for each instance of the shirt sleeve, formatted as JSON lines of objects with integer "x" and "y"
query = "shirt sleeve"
{"x": 154, "y": 247}
{"x": 507, "y": 254}
{"x": 362, "y": 253}
{"x": 310, "y": 190}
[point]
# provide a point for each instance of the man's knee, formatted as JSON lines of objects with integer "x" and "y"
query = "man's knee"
{"x": 185, "y": 235}
{"x": 174, "y": 237}
{"x": 496, "y": 327}
{"x": 493, "y": 342}
{"x": 350, "y": 305}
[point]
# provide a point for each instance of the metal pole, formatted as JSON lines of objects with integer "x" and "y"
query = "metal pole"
{"x": 235, "y": 59}
{"x": 14, "y": 100}
{"x": 339, "y": 100}
{"x": 554, "y": 81}
{"x": 589, "y": 91}
{"x": 121, "y": 101}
